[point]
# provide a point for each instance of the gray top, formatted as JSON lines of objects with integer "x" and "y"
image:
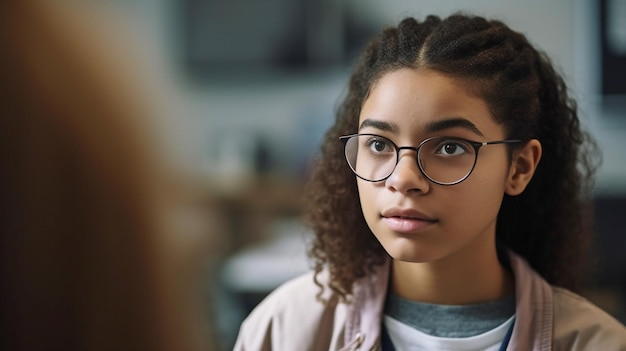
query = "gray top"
{"x": 451, "y": 321}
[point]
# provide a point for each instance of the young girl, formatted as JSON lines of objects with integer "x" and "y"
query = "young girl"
{"x": 449, "y": 205}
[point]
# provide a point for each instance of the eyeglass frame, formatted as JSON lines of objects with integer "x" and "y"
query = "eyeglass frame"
{"x": 475, "y": 144}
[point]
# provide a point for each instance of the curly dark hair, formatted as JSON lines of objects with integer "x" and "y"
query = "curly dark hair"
{"x": 549, "y": 223}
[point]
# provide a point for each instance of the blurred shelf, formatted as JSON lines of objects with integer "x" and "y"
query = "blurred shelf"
{"x": 248, "y": 207}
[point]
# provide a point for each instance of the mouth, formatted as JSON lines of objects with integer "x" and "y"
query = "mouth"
{"x": 407, "y": 214}
{"x": 409, "y": 217}
{"x": 406, "y": 220}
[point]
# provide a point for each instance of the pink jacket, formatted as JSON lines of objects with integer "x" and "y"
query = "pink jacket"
{"x": 547, "y": 317}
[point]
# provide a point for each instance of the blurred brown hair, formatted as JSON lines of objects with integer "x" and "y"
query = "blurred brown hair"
{"x": 84, "y": 260}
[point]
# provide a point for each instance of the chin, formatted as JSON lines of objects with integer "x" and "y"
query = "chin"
{"x": 405, "y": 250}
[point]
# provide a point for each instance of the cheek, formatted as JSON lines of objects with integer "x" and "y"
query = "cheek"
{"x": 367, "y": 198}
{"x": 474, "y": 197}
{"x": 478, "y": 200}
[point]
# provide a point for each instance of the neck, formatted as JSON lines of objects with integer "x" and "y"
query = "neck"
{"x": 459, "y": 279}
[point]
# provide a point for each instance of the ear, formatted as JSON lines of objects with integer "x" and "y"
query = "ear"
{"x": 523, "y": 165}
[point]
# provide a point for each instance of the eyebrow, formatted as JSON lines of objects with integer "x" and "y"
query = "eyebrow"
{"x": 436, "y": 126}
{"x": 382, "y": 125}
{"x": 431, "y": 127}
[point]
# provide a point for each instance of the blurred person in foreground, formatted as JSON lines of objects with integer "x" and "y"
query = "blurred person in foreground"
{"x": 93, "y": 255}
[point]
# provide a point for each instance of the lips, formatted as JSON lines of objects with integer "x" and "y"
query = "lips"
{"x": 407, "y": 214}
{"x": 406, "y": 220}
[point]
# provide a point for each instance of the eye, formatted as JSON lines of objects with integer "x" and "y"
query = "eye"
{"x": 379, "y": 145}
{"x": 452, "y": 147}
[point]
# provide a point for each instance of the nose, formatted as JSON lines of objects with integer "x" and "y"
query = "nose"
{"x": 407, "y": 176}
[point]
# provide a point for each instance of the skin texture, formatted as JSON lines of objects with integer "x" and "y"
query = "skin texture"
{"x": 547, "y": 220}
{"x": 445, "y": 253}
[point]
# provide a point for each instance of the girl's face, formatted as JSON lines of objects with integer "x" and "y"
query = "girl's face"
{"x": 414, "y": 219}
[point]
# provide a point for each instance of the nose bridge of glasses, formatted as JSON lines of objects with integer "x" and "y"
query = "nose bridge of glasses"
{"x": 400, "y": 148}
{"x": 408, "y": 172}
{"x": 413, "y": 156}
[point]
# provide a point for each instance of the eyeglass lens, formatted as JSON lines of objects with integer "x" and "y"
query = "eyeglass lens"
{"x": 443, "y": 160}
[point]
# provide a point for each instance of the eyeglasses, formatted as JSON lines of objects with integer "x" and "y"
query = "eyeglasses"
{"x": 443, "y": 160}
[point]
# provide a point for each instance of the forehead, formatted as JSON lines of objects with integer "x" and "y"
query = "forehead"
{"x": 412, "y": 99}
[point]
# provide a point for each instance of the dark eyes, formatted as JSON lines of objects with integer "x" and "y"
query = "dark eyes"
{"x": 452, "y": 147}
{"x": 379, "y": 145}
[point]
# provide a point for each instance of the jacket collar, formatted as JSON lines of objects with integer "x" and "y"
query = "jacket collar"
{"x": 534, "y": 305}
{"x": 365, "y": 312}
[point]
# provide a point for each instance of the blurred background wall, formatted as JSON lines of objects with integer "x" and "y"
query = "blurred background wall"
{"x": 262, "y": 79}
{"x": 231, "y": 62}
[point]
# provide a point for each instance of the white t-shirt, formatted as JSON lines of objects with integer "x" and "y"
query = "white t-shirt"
{"x": 406, "y": 338}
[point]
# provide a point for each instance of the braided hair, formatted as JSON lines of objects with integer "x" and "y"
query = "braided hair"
{"x": 549, "y": 224}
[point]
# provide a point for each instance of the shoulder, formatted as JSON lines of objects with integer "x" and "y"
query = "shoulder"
{"x": 579, "y": 324}
{"x": 290, "y": 296}
{"x": 290, "y": 315}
